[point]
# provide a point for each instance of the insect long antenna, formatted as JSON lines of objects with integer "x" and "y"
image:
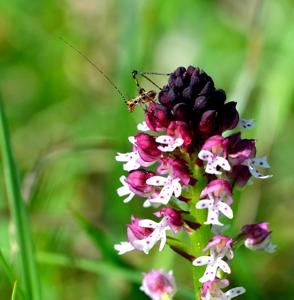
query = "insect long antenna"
{"x": 143, "y": 74}
{"x": 96, "y": 67}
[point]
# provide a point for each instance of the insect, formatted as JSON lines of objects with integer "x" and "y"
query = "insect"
{"x": 143, "y": 98}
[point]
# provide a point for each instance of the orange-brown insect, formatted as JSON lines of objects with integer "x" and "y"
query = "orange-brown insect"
{"x": 143, "y": 97}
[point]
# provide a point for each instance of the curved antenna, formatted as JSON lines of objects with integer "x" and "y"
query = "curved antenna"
{"x": 96, "y": 67}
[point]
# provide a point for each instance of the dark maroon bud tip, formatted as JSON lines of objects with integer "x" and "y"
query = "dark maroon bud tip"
{"x": 207, "y": 122}
{"x": 180, "y": 71}
{"x": 200, "y": 103}
{"x": 181, "y": 111}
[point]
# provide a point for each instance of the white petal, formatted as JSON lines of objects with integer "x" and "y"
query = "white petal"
{"x": 254, "y": 172}
{"x": 202, "y": 260}
{"x": 165, "y": 139}
{"x": 177, "y": 188}
{"x": 225, "y": 209}
{"x": 260, "y": 162}
{"x": 222, "y": 162}
{"x": 129, "y": 198}
{"x": 205, "y": 203}
{"x": 169, "y": 148}
{"x": 179, "y": 142}
{"x": 123, "y": 247}
{"x": 205, "y": 155}
{"x": 246, "y": 124}
{"x": 164, "y": 195}
{"x": 209, "y": 274}
{"x": 162, "y": 242}
{"x": 132, "y": 139}
{"x": 235, "y": 292}
{"x": 143, "y": 126}
{"x": 123, "y": 191}
{"x": 211, "y": 168}
{"x": 147, "y": 203}
{"x": 224, "y": 266}
{"x": 156, "y": 180}
{"x": 146, "y": 223}
{"x": 212, "y": 217}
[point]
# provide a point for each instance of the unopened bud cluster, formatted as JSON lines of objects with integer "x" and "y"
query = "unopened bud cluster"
{"x": 179, "y": 149}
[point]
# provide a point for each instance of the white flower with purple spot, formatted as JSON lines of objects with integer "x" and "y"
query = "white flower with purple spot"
{"x": 170, "y": 142}
{"x": 218, "y": 203}
{"x": 171, "y": 186}
{"x": 215, "y": 208}
{"x": 213, "y": 264}
{"x": 211, "y": 290}
{"x": 213, "y": 161}
{"x": 157, "y": 233}
{"x": 257, "y": 162}
{"x": 220, "y": 247}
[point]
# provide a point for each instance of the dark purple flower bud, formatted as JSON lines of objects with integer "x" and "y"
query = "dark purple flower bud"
{"x": 147, "y": 147}
{"x": 207, "y": 122}
{"x": 239, "y": 175}
{"x": 228, "y": 117}
{"x": 200, "y": 104}
{"x": 158, "y": 284}
{"x": 157, "y": 117}
{"x": 181, "y": 111}
{"x": 137, "y": 182}
{"x": 258, "y": 237}
{"x": 173, "y": 218}
{"x": 163, "y": 97}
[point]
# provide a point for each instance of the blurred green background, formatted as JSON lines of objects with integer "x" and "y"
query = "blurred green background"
{"x": 67, "y": 123}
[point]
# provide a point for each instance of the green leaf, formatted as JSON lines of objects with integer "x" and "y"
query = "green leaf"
{"x": 19, "y": 213}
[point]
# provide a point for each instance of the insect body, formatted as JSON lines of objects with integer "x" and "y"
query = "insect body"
{"x": 143, "y": 97}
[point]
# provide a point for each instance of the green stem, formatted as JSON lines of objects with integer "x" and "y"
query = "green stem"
{"x": 199, "y": 237}
{"x": 19, "y": 214}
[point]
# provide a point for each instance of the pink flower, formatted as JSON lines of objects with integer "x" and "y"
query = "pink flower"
{"x": 157, "y": 117}
{"x": 147, "y": 147}
{"x": 135, "y": 184}
{"x": 258, "y": 237}
{"x": 214, "y": 153}
{"x": 173, "y": 218}
{"x": 143, "y": 235}
{"x": 220, "y": 247}
{"x": 211, "y": 290}
{"x": 219, "y": 194}
{"x": 157, "y": 284}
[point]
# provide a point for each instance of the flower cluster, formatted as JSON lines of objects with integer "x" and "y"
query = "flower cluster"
{"x": 180, "y": 156}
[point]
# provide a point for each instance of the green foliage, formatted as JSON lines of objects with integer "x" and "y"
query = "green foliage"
{"x": 67, "y": 123}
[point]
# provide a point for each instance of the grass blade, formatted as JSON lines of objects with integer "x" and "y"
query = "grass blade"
{"x": 14, "y": 291}
{"x": 19, "y": 214}
{"x": 10, "y": 274}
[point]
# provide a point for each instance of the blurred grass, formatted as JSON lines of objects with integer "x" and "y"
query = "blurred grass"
{"x": 66, "y": 116}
